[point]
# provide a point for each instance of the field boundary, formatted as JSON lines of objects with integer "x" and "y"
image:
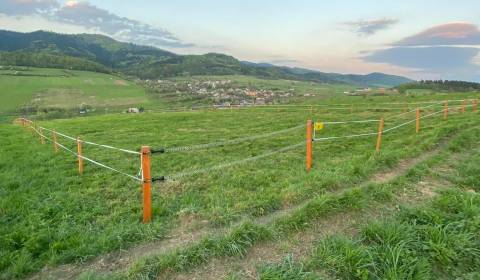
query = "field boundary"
{"x": 145, "y": 177}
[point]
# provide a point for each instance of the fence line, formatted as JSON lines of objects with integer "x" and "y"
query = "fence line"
{"x": 229, "y": 164}
{"x": 277, "y": 106}
{"x": 146, "y": 179}
{"x": 84, "y": 157}
{"x": 91, "y": 143}
{"x": 230, "y": 142}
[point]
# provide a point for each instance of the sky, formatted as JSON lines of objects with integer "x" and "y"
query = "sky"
{"x": 428, "y": 39}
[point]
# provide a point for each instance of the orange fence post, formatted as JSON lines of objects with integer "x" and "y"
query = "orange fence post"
{"x": 445, "y": 110}
{"x": 80, "y": 159}
{"x": 417, "y": 126}
{"x": 309, "y": 144}
{"x": 147, "y": 180}
{"x": 54, "y": 137}
{"x": 379, "y": 136}
{"x": 463, "y": 106}
{"x": 475, "y": 105}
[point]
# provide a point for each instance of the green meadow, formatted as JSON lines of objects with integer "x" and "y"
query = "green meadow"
{"x": 53, "y": 216}
{"x": 41, "y": 88}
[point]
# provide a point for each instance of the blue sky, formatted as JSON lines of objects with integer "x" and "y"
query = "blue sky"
{"x": 419, "y": 39}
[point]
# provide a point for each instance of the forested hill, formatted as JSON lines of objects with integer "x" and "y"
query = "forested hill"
{"x": 103, "y": 54}
{"x": 441, "y": 85}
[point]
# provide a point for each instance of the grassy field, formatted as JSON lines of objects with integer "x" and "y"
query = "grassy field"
{"x": 40, "y": 88}
{"x": 75, "y": 218}
{"x": 434, "y": 240}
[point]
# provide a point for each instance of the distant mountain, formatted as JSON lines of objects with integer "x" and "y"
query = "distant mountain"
{"x": 103, "y": 54}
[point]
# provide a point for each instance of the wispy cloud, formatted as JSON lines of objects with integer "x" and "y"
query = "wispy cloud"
{"x": 27, "y": 7}
{"x": 460, "y": 33}
{"x": 370, "y": 27}
{"x": 84, "y": 14}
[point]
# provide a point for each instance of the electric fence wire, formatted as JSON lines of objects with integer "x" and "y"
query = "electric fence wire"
{"x": 86, "y": 158}
{"x": 231, "y": 142}
{"x": 230, "y": 164}
{"x": 92, "y": 143}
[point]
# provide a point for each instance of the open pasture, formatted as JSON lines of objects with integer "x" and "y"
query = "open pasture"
{"x": 258, "y": 169}
{"x": 43, "y": 88}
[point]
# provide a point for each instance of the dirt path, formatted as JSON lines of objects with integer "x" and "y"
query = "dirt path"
{"x": 121, "y": 260}
{"x": 300, "y": 244}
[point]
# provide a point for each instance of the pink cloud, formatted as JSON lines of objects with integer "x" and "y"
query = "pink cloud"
{"x": 458, "y": 33}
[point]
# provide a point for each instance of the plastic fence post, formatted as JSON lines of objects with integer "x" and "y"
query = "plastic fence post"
{"x": 309, "y": 144}
{"x": 80, "y": 159}
{"x": 379, "y": 136}
{"x": 54, "y": 137}
{"x": 147, "y": 180}
{"x": 445, "y": 110}
{"x": 417, "y": 126}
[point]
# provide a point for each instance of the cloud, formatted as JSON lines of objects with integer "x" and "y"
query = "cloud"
{"x": 449, "y": 51}
{"x": 460, "y": 33}
{"x": 427, "y": 58}
{"x": 27, "y": 7}
{"x": 94, "y": 19}
{"x": 370, "y": 27}
{"x": 120, "y": 28}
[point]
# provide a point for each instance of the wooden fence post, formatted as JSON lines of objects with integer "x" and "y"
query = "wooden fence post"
{"x": 417, "y": 126}
{"x": 42, "y": 139}
{"x": 309, "y": 145}
{"x": 80, "y": 159}
{"x": 445, "y": 110}
{"x": 147, "y": 180}
{"x": 379, "y": 136}
{"x": 55, "y": 145}
{"x": 475, "y": 105}
{"x": 463, "y": 107}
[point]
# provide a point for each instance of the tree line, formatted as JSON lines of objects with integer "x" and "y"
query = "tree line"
{"x": 440, "y": 85}
{"x": 45, "y": 60}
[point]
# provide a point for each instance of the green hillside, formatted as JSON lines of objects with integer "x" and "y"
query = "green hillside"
{"x": 41, "y": 90}
{"x": 152, "y": 63}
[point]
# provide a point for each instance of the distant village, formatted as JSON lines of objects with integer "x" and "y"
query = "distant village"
{"x": 222, "y": 93}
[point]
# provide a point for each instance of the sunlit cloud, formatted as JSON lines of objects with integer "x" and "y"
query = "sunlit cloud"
{"x": 460, "y": 33}
{"x": 449, "y": 50}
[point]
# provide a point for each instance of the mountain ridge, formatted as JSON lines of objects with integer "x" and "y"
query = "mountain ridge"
{"x": 148, "y": 62}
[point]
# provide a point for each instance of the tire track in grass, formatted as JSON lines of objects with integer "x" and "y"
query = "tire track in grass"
{"x": 119, "y": 261}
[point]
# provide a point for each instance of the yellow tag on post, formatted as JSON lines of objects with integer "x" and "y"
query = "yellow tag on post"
{"x": 318, "y": 126}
